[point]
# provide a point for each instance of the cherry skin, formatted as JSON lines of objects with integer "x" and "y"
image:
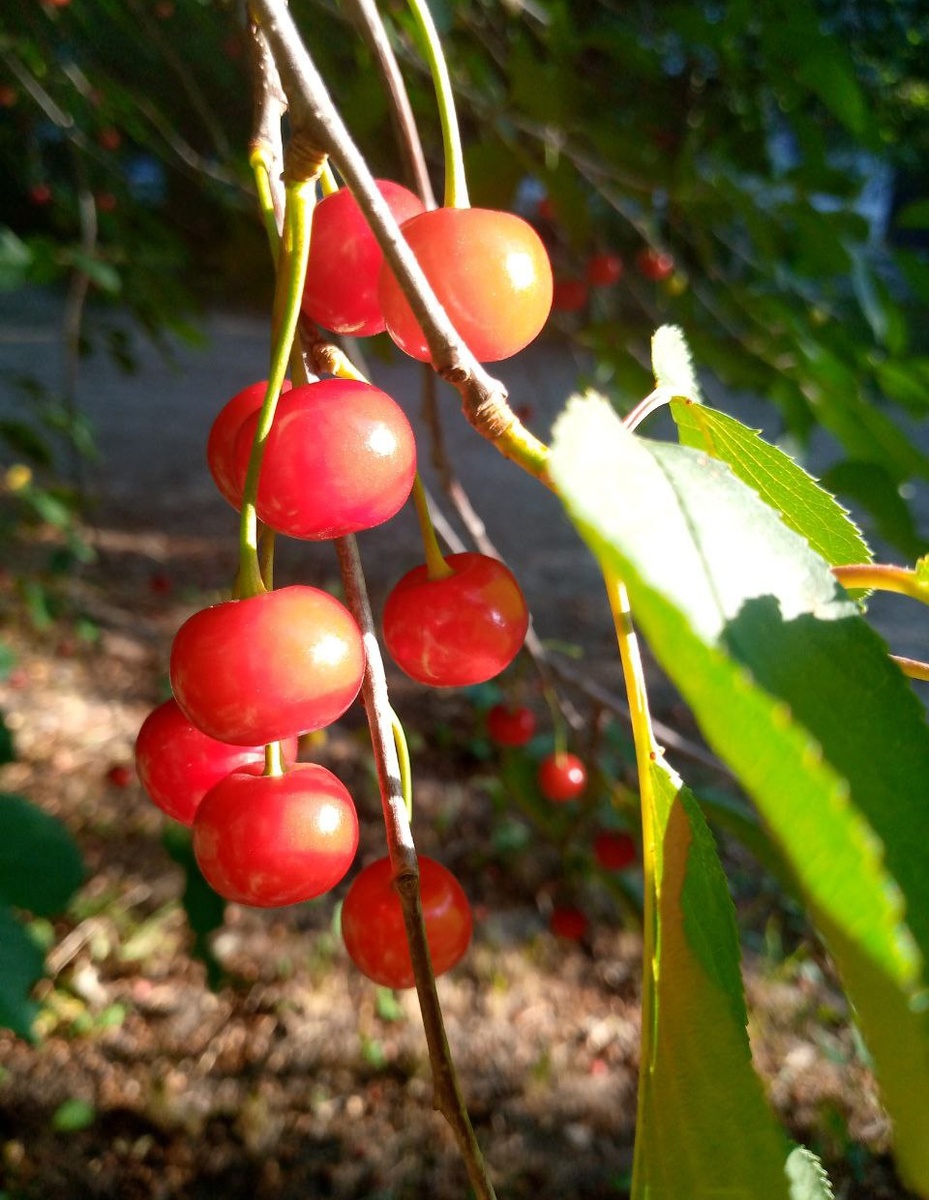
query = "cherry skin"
{"x": 271, "y": 840}
{"x": 604, "y": 269}
{"x": 570, "y": 295}
{"x": 178, "y": 764}
{"x": 345, "y": 260}
{"x": 654, "y": 264}
{"x": 614, "y": 851}
{"x": 567, "y": 922}
{"x": 459, "y": 630}
{"x": 373, "y": 929}
{"x": 489, "y": 270}
{"x": 340, "y": 457}
{"x": 562, "y": 777}
{"x": 510, "y": 726}
{"x": 221, "y": 444}
{"x": 268, "y": 667}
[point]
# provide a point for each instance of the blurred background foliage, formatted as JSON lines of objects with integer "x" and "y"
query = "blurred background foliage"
{"x": 770, "y": 156}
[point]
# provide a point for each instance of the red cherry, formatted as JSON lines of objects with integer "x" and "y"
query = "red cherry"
{"x": 654, "y": 264}
{"x": 373, "y": 929}
{"x": 546, "y": 210}
{"x": 568, "y": 922}
{"x": 220, "y": 446}
{"x": 106, "y": 202}
{"x": 510, "y": 726}
{"x": 570, "y": 295}
{"x": 160, "y": 584}
{"x": 562, "y": 777}
{"x": 268, "y": 667}
{"x": 488, "y": 269}
{"x": 614, "y": 851}
{"x": 345, "y": 260}
{"x": 271, "y": 840}
{"x": 8, "y": 95}
{"x": 459, "y": 630}
{"x": 40, "y": 194}
{"x": 110, "y": 138}
{"x": 178, "y": 764}
{"x": 119, "y": 775}
{"x": 340, "y": 457}
{"x": 604, "y": 269}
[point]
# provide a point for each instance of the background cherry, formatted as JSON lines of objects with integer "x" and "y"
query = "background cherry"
{"x": 489, "y": 270}
{"x": 615, "y": 851}
{"x": 569, "y": 295}
{"x": 568, "y": 922}
{"x": 654, "y": 264}
{"x": 510, "y": 726}
{"x": 271, "y": 840}
{"x": 178, "y": 764}
{"x": 340, "y": 457}
{"x": 221, "y": 444}
{"x": 268, "y": 667}
{"x": 345, "y": 260}
{"x": 562, "y": 777}
{"x": 373, "y": 929}
{"x": 604, "y": 269}
{"x": 459, "y": 630}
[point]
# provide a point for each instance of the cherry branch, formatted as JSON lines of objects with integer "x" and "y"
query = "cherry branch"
{"x": 484, "y": 399}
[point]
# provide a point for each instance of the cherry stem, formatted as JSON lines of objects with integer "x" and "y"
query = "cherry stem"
{"x": 274, "y": 759}
{"x": 327, "y": 180}
{"x": 484, "y": 399}
{"x": 403, "y": 758}
{"x": 646, "y": 751}
{"x": 885, "y": 578}
{"x": 456, "y": 184}
{"x": 294, "y": 249}
{"x": 260, "y": 164}
{"x": 436, "y": 566}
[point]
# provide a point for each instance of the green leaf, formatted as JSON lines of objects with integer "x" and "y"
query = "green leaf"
{"x": 833, "y": 80}
{"x": 672, "y": 364}
{"x": 40, "y": 864}
{"x": 808, "y": 1180}
{"x": 699, "y": 1084}
{"x": 15, "y": 260}
{"x": 796, "y": 693}
{"x": 7, "y": 746}
{"x": 22, "y": 964}
{"x": 778, "y": 480}
{"x": 103, "y": 274}
{"x": 73, "y": 1115}
{"x": 914, "y": 215}
{"x": 871, "y": 486}
{"x": 205, "y": 910}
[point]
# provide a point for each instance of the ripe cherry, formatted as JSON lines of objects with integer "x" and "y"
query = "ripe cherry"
{"x": 458, "y": 630}
{"x": 614, "y": 851}
{"x": 119, "y": 775}
{"x": 510, "y": 726}
{"x": 268, "y": 667}
{"x": 562, "y": 777}
{"x": 110, "y": 138}
{"x": 340, "y": 457}
{"x": 488, "y": 269}
{"x": 568, "y": 922}
{"x": 373, "y": 929}
{"x": 106, "y": 202}
{"x": 605, "y": 269}
{"x": 40, "y": 194}
{"x": 654, "y": 264}
{"x": 570, "y": 295}
{"x": 342, "y": 272}
{"x": 271, "y": 840}
{"x": 220, "y": 446}
{"x": 178, "y": 764}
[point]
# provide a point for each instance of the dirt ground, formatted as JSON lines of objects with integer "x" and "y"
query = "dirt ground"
{"x": 296, "y": 1077}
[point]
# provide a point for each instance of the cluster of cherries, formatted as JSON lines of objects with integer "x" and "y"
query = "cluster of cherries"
{"x": 250, "y": 676}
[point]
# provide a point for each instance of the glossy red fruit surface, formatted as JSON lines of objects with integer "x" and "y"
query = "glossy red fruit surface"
{"x": 178, "y": 764}
{"x": 562, "y": 777}
{"x": 490, "y": 271}
{"x": 654, "y": 264}
{"x": 269, "y": 667}
{"x": 221, "y": 444}
{"x": 614, "y": 851}
{"x": 568, "y": 922}
{"x": 604, "y": 269}
{"x": 341, "y": 290}
{"x": 460, "y": 630}
{"x": 570, "y": 295}
{"x": 510, "y": 726}
{"x": 373, "y": 930}
{"x": 272, "y": 840}
{"x": 340, "y": 457}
